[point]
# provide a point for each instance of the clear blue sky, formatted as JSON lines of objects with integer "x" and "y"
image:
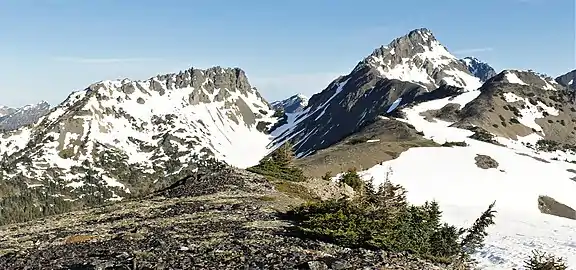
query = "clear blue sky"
{"x": 50, "y": 48}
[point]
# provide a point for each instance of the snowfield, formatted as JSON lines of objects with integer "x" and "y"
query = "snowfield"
{"x": 450, "y": 176}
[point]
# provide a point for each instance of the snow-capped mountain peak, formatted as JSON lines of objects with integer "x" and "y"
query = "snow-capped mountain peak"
{"x": 129, "y": 133}
{"x": 420, "y": 58}
{"x": 292, "y": 104}
{"x": 480, "y": 69}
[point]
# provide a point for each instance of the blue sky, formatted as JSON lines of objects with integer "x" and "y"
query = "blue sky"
{"x": 50, "y": 48}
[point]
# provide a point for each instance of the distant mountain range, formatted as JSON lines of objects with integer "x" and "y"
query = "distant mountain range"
{"x": 292, "y": 104}
{"x": 14, "y": 118}
{"x": 568, "y": 79}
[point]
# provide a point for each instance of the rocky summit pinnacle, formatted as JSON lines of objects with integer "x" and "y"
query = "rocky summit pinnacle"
{"x": 418, "y": 57}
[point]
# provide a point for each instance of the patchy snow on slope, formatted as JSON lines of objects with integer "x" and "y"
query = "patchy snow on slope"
{"x": 513, "y": 78}
{"x": 143, "y": 124}
{"x": 530, "y": 112}
{"x": 450, "y": 176}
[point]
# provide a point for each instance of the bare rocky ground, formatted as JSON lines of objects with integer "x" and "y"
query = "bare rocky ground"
{"x": 220, "y": 218}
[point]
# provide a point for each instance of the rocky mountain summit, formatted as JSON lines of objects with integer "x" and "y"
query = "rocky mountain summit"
{"x": 11, "y": 119}
{"x": 568, "y": 79}
{"x": 123, "y": 138}
{"x": 411, "y": 68}
{"x": 295, "y": 103}
{"x": 480, "y": 69}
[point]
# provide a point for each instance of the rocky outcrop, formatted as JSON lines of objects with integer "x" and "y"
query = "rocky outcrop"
{"x": 550, "y": 206}
{"x": 485, "y": 162}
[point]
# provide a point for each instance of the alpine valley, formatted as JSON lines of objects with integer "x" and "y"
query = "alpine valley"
{"x": 113, "y": 159}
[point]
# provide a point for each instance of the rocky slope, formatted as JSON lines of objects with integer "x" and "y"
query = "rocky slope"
{"x": 218, "y": 218}
{"x": 411, "y": 68}
{"x": 295, "y": 103}
{"x": 16, "y": 118}
{"x": 123, "y": 138}
{"x": 516, "y": 104}
{"x": 568, "y": 79}
{"x": 480, "y": 69}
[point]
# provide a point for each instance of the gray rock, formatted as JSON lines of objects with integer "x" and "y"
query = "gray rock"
{"x": 485, "y": 162}
{"x": 550, "y": 206}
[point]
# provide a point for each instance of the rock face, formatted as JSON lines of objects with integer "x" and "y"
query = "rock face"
{"x": 16, "y": 118}
{"x": 411, "y": 68}
{"x": 480, "y": 69}
{"x": 217, "y": 218}
{"x": 568, "y": 79}
{"x": 293, "y": 104}
{"x": 124, "y": 138}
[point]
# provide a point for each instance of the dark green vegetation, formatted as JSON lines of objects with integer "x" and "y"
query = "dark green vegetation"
{"x": 278, "y": 165}
{"x": 481, "y": 134}
{"x": 378, "y": 219}
{"x": 543, "y": 261}
{"x": 450, "y": 144}
{"x": 382, "y": 219}
{"x": 551, "y": 146}
{"x": 352, "y": 179}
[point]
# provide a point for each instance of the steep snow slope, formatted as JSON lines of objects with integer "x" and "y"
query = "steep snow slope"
{"x": 450, "y": 176}
{"x": 129, "y": 136}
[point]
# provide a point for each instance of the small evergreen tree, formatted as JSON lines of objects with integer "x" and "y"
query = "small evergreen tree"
{"x": 352, "y": 179}
{"x": 474, "y": 238}
{"x": 542, "y": 261}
